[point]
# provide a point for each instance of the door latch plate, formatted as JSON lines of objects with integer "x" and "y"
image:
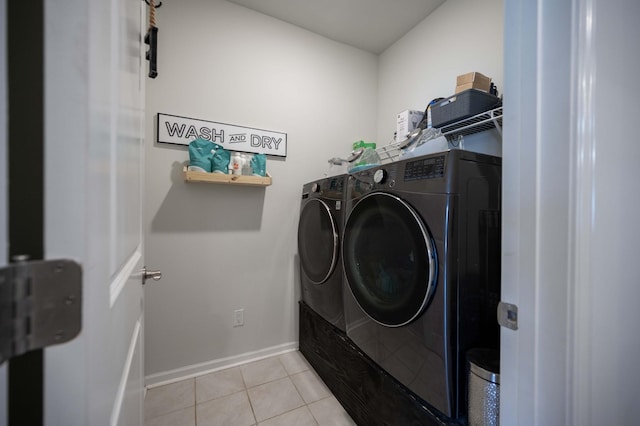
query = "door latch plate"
{"x": 508, "y": 315}
{"x": 40, "y": 305}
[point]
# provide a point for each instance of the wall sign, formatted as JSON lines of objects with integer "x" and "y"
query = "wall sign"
{"x": 174, "y": 129}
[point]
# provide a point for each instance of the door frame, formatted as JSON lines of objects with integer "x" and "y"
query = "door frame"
{"x": 25, "y": 189}
{"x": 4, "y": 241}
{"x": 570, "y": 233}
{"x": 536, "y": 201}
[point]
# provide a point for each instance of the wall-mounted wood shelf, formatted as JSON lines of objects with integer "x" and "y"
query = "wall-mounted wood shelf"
{"x": 227, "y": 179}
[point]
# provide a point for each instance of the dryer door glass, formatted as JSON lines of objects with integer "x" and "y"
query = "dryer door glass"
{"x": 389, "y": 259}
{"x": 317, "y": 241}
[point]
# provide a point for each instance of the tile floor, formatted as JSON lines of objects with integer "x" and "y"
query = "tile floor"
{"x": 282, "y": 390}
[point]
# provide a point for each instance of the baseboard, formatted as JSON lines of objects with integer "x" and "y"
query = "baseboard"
{"x": 191, "y": 371}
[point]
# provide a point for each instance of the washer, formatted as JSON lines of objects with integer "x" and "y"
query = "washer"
{"x": 319, "y": 233}
{"x": 421, "y": 255}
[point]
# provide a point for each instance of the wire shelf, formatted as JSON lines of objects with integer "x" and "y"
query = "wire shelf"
{"x": 478, "y": 123}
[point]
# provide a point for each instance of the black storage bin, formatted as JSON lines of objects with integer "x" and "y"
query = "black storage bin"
{"x": 462, "y": 105}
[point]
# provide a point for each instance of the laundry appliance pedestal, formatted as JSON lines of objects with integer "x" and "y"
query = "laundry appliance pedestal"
{"x": 369, "y": 394}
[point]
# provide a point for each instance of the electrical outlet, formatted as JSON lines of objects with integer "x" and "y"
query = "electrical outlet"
{"x": 238, "y": 317}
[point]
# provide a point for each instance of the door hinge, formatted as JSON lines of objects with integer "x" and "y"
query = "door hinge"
{"x": 40, "y": 305}
{"x": 508, "y": 315}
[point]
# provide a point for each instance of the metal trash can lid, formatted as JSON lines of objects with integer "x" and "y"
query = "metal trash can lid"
{"x": 485, "y": 363}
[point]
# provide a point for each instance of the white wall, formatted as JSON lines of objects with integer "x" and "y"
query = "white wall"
{"x": 222, "y": 248}
{"x": 219, "y": 247}
{"x": 459, "y": 37}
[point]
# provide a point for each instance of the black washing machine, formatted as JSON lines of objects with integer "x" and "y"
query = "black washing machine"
{"x": 319, "y": 233}
{"x": 421, "y": 256}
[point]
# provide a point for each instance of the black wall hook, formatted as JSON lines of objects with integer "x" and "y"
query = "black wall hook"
{"x": 157, "y": 5}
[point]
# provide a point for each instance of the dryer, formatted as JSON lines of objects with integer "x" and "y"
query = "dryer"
{"x": 319, "y": 232}
{"x": 421, "y": 255}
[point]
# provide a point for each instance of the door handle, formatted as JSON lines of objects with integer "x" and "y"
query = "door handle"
{"x": 146, "y": 274}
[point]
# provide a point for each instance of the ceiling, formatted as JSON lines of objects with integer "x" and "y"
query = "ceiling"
{"x": 371, "y": 25}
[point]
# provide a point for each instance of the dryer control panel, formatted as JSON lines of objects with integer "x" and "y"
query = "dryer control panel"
{"x": 426, "y": 168}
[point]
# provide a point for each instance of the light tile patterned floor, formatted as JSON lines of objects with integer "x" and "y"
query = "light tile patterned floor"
{"x": 279, "y": 391}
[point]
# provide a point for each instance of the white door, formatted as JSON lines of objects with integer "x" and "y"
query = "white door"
{"x": 94, "y": 134}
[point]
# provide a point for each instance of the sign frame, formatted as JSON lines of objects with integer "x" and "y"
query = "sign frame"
{"x": 179, "y": 130}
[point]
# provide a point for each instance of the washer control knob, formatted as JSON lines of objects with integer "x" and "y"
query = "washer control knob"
{"x": 315, "y": 188}
{"x": 380, "y": 176}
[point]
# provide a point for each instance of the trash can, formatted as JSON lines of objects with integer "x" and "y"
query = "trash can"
{"x": 483, "y": 395}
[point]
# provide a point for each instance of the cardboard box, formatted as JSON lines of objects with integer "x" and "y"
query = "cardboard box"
{"x": 473, "y": 80}
{"x": 407, "y": 121}
{"x": 463, "y": 87}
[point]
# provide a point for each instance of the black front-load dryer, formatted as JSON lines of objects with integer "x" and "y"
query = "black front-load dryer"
{"x": 319, "y": 233}
{"x": 421, "y": 255}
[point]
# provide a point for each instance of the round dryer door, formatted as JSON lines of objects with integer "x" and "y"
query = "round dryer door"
{"x": 389, "y": 259}
{"x": 318, "y": 241}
